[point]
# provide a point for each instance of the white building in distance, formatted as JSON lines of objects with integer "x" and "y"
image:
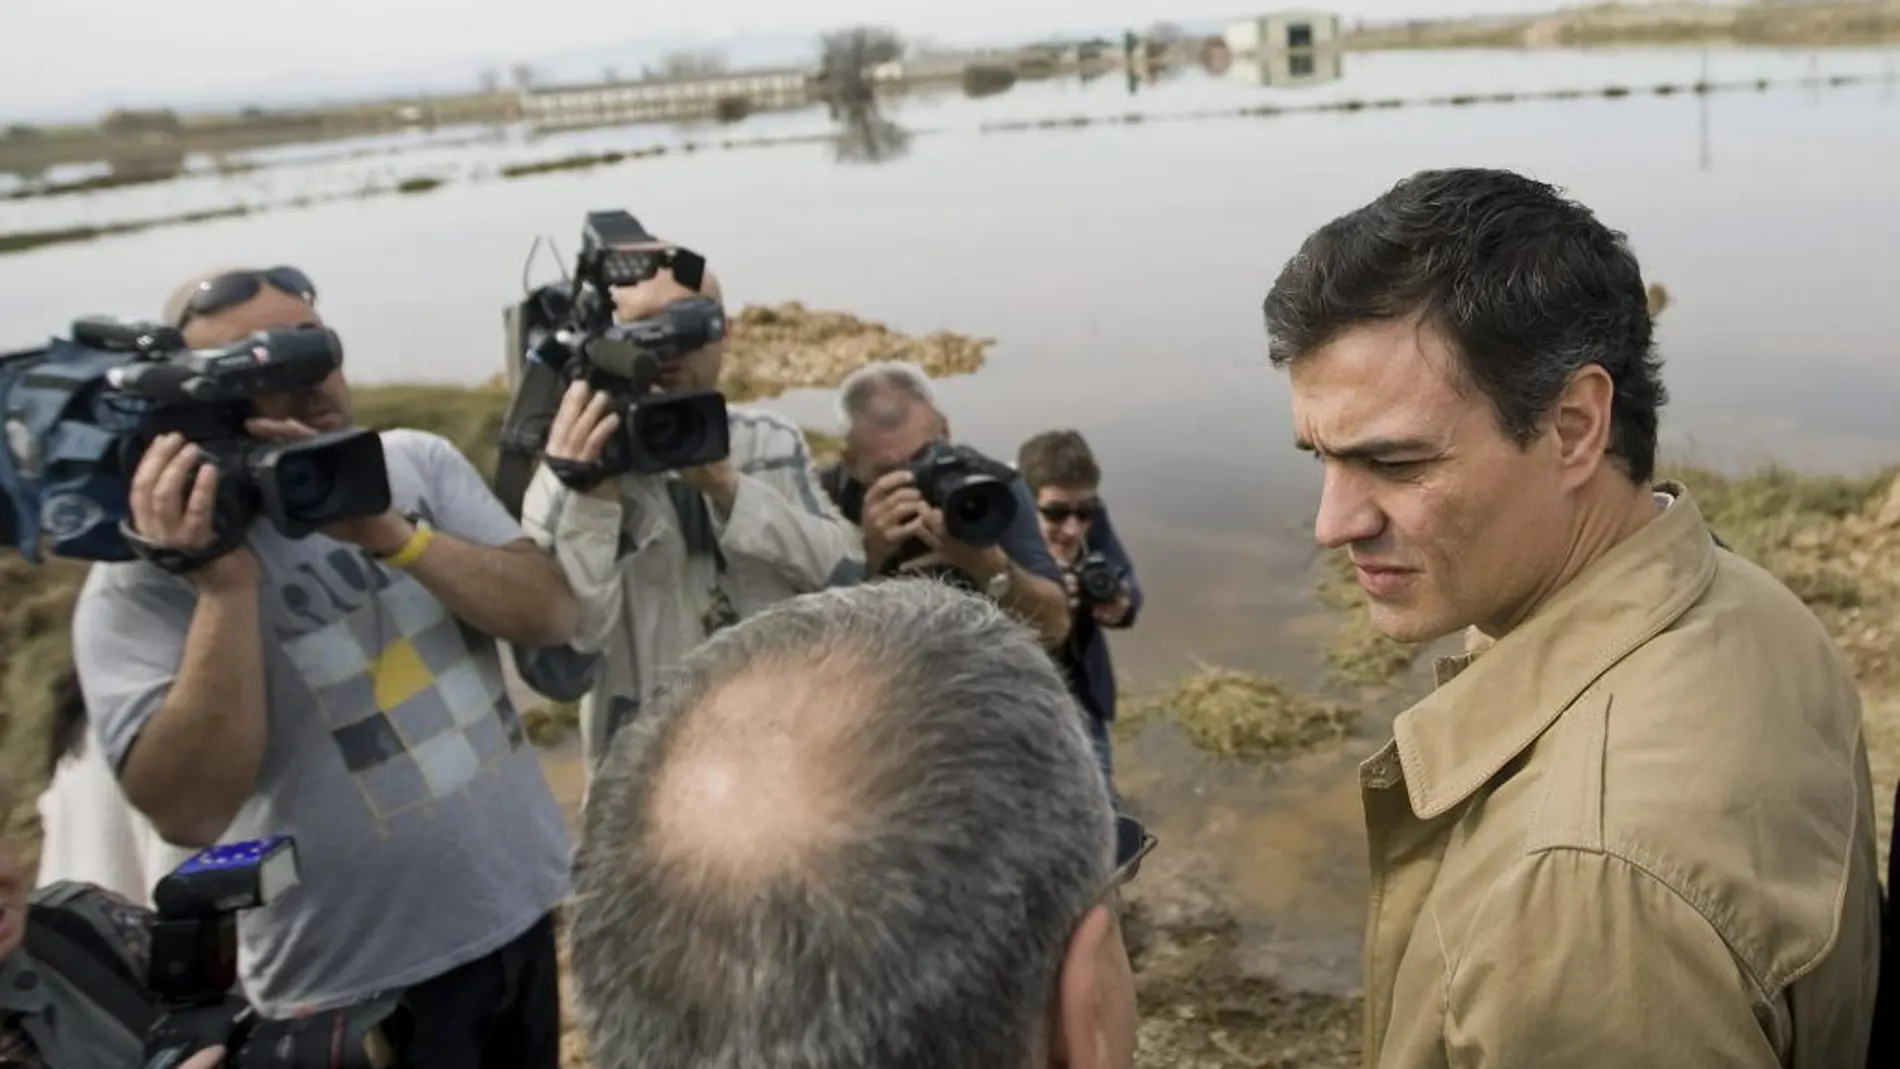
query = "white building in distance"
{"x": 1285, "y": 31}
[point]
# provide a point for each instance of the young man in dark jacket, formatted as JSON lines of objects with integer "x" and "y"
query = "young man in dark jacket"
{"x": 1061, "y": 472}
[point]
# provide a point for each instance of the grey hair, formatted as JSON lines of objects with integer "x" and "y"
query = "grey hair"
{"x": 869, "y": 393}
{"x": 927, "y": 935}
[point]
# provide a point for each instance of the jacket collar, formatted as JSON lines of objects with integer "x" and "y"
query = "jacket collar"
{"x": 1489, "y": 706}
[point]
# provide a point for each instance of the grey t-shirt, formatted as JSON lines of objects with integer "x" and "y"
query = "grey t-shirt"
{"x": 426, "y": 834}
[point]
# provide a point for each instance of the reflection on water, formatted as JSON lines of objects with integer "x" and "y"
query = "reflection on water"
{"x": 866, "y": 136}
{"x": 1302, "y": 68}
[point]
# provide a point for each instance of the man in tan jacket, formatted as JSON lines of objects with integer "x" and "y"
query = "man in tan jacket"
{"x": 1635, "y": 828}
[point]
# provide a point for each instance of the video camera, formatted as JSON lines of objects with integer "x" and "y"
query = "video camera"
{"x": 566, "y": 332}
{"x": 1098, "y": 580}
{"x": 194, "y": 974}
{"x": 971, "y": 490}
{"x": 81, "y": 411}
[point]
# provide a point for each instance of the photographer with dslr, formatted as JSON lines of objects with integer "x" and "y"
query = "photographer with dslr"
{"x": 928, "y": 506}
{"x": 73, "y": 959}
{"x": 1061, "y": 471}
{"x": 662, "y": 559}
{"x": 345, "y": 688}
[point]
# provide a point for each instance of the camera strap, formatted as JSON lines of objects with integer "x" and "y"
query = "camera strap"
{"x": 578, "y": 475}
{"x": 171, "y": 558}
{"x": 67, "y": 944}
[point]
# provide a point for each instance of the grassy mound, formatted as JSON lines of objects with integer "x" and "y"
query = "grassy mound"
{"x": 1244, "y": 716}
{"x": 1834, "y": 541}
{"x": 774, "y": 348}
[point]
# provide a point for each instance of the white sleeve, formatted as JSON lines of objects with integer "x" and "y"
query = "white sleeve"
{"x": 584, "y": 534}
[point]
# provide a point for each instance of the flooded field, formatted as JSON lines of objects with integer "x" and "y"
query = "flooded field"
{"x": 1120, "y": 271}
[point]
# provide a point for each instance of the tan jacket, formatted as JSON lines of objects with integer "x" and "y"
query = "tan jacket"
{"x": 1637, "y": 831}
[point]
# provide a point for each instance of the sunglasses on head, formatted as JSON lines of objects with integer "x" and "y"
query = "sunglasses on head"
{"x": 233, "y": 288}
{"x": 1060, "y": 512}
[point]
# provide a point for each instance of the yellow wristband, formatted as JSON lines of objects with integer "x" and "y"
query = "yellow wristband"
{"x": 419, "y": 540}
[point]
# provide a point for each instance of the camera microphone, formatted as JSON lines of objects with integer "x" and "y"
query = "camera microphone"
{"x": 625, "y": 359}
{"x": 158, "y": 381}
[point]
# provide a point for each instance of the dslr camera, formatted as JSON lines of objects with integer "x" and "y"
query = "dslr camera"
{"x": 1098, "y": 580}
{"x": 194, "y": 975}
{"x": 81, "y": 411}
{"x": 567, "y": 331}
{"x": 973, "y": 492}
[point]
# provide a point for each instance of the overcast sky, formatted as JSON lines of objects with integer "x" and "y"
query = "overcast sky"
{"x": 65, "y": 57}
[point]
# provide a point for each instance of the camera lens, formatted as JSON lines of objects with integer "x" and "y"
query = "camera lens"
{"x": 669, "y": 432}
{"x": 978, "y": 511}
{"x": 1098, "y": 579}
{"x": 305, "y": 483}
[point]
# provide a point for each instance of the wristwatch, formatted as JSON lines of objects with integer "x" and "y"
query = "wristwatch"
{"x": 997, "y": 586}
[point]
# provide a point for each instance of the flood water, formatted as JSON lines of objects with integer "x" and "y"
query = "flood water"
{"x": 1121, "y": 270}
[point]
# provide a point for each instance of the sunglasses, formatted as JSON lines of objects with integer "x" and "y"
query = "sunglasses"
{"x": 231, "y": 289}
{"x": 1059, "y": 512}
{"x": 1132, "y": 843}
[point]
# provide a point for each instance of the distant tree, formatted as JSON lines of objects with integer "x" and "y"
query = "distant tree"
{"x": 491, "y": 81}
{"x": 987, "y": 79}
{"x": 134, "y": 121}
{"x": 693, "y": 64}
{"x": 847, "y": 57}
{"x": 610, "y": 75}
{"x": 523, "y": 76}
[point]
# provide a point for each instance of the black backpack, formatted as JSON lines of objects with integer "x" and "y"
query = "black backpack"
{"x": 69, "y": 945}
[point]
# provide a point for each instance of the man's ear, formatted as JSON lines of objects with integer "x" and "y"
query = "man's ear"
{"x": 1581, "y": 421}
{"x": 1078, "y": 1023}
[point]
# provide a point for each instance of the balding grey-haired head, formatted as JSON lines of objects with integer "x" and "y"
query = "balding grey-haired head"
{"x": 857, "y": 830}
{"x": 887, "y": 411}
{"x": 880, "y": 394}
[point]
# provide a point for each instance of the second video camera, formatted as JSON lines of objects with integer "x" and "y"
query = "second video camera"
{"x": 80, "y": 412}
{"x": 567, "y": 332}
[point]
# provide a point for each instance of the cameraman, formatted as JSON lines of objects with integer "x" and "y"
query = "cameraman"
{"x": 1061, "y": 471}
{"x": 661, "y": 562}
{"x": 346, "y": 689}
{"x": 890, "y": 415}
{"x": 73, "y": 960}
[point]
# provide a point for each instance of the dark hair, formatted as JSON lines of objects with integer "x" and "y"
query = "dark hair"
{"x": 1058, "y": 458}
{"x": 66, "y": 727}
{"x": 1527, "y": 285}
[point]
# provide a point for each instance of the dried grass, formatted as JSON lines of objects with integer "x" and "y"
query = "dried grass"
{"x": 1244, "y": 716}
